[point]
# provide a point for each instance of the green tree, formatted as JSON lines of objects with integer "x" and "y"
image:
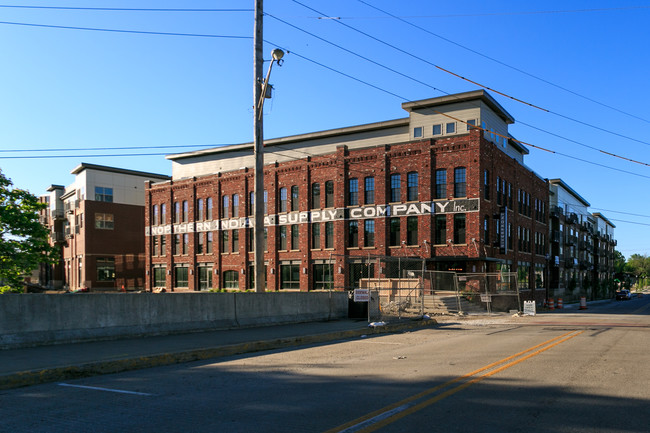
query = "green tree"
{"x": 619, "y": 262}
{"x": 23, "y": 239}
{"x": 639, "y": 265}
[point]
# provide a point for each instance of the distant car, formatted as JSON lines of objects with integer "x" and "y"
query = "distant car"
{"x": 623, "y": 294}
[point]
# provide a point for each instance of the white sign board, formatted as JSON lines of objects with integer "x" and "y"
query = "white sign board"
{"x": 529, "y": 308}
{"x": 361, "y": 295}
{"x": 486, "y": 298}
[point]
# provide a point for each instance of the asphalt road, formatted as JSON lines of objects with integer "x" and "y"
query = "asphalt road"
{"x": 567, "y": 371}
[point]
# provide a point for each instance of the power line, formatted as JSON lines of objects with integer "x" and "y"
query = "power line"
{"x": 68, "y": 149}
{"x": 432, "y": 87}
{"x": 505, "y": 64}
{"x": 491, "y": 14}
{"x": 624, "y": 213}
{"x": 471, "y": 81}
{"x": 95, "y": 29}
{"x": 109, "y": 155}
{"x": 123, "y": 9}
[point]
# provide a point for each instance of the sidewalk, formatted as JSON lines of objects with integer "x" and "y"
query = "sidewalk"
{"x": 42, "y": 364}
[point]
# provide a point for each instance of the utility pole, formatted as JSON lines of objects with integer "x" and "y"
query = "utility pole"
{"x": 258, "y": 40}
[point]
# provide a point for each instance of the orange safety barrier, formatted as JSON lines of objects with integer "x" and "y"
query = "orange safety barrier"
{"x": 551, "y": 304}
{"x": 583, "y": 303}
{"x": 559, "y": 304}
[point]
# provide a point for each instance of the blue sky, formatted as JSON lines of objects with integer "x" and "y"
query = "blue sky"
{"x": 584, "y": 62}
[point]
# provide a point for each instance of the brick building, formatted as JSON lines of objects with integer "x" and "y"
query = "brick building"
{"x": 447, "y": 183}
{"x": 98, "y": 222}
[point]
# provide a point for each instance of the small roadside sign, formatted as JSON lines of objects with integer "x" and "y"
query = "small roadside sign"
{"x": 529, "y": 308}
{"x": 361, "y": 295}
{"x": 486, "y": 298}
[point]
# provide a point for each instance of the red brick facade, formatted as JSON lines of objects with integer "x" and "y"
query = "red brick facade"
{"x": 482, "y": 160}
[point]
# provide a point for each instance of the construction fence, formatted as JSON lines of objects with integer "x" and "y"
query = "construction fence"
{"x": 402, "y": 288}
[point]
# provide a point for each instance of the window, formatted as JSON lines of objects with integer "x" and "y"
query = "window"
{"x": 329, "y": 193}
{"x": 177, "y": 244}
{"x": 395, "y": 187}
{"x": 353, "y": 192}
{"x": 225, "y": 206}
{"x": 440, "y": 234}
{"x": 417, "y": 132}
{"x": 289, "y": 276}
{"x": 450, "y": 127}
{"x": 251, "y": 203}
{"x": 412, "y": 230}
{"x": 177, "y": 212}
{"x": 523, "y": 271}
{"x": 159, "y": 277}
{"x": 104, "y": 194}
{"x": 459, "y": 182}
{"x": 315, "y": 195}
{"x": 185, "y": 211}
{"x": 180, "y": 276}
{"x": 369, "y": 197}
{"x": 208, "y": 242}
{"x": 230, "y": 280}
{"x": 323, "y": 276}
{"x": 208, "y": 209}
{"x": 369, "y": 233}
{"x": 200, "y": 245}
{"x": 295, "y": 201}
{"x": 500, "y": 193}
{"x": 437, "y": 129}
{"x": 186, "y": 240}
{"x": 315, "y": 236}
{"x": 106, "y": 269}
{"x": 283, "y": 238}
{"x": 104, "y": 221}
{"x": 155, "y": 217}
{"x": 199, "y": 209}
{"x": 283, "y": 200}
{"x": 412, "y": 186}
{"x": 154, "y": 246}
{"x": 294, "y": 237}
{"x": 441, "y": 183}
{"x": 394, "y": 225}
{"x": 235, "y": 205}
{"x": 205, "y": 277}
{"x": 329, "y": 234}
{"x": 235, "y": 241}
{"x": 163, "y": 245}
{"x": 225, "y": 241}
{"x": 459, "y": 228}
{"x": 353, "y": 234}
{"x": 163, "y": 213}
{"x": 486, "y": 184}
{"x": 266, "y": 202}
{"x": 486, "y": 230}
{"x": 471, "y": 123}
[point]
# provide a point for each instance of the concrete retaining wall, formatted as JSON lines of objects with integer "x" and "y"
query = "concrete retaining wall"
{"x": 35, "y": 319}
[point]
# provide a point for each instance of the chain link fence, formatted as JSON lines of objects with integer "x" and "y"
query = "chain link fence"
{"x": 397, "y": 288}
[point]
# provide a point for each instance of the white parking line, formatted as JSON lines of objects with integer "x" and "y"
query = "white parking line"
{"x": 105, "y": 389}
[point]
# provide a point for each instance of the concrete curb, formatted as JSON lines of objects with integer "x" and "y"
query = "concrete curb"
{"x": 34, "y": 377}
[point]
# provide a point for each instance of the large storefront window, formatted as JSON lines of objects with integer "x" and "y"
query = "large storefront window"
{"x": 230, "y": 280}
{"x": 540, "y": 271}
{"x": 205, "y": 277}
{"x": 180, "y": 277}
{"x": 523, "y": 272}
{"x": 159, "y": 278}
{"x": 106, "y": 269}
{"x": 290, "y": 275}
{"x": 323, "y": 276}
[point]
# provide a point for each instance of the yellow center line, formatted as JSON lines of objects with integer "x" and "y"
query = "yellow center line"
{"x": 398, "y": 410}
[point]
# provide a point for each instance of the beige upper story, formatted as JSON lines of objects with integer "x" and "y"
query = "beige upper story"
{"x": 450, "y": 115}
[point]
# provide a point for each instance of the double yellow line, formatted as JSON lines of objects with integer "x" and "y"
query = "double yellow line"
{"x": 391, "y": 413}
